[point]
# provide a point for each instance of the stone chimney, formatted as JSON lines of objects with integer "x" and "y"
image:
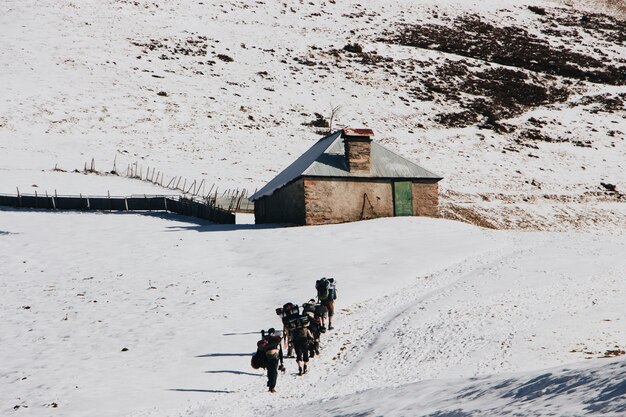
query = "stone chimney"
{"x": 358, "y": 145}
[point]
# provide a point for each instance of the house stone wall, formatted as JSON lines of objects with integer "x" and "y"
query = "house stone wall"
{"x": 338, "y": 201}
{"x": 314, "y": 201}
{"x": 425, "y": 199}
{"x": 285, "y": 205}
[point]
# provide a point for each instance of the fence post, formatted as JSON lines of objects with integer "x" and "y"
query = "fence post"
{"x": 54, "y": 204}
{"x": 109, "y": 195}
{"x": 192, "y": 185}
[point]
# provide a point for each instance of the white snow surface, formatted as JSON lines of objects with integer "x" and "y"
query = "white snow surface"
{"x": 578, "y": 390}
{"x": 419, "y": 300}
{"x": 434, "y": 317}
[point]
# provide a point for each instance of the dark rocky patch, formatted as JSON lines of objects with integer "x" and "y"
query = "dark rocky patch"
{"x": 538, "y": 10}
{"x": 319, "y": 121}
{"x": 597, "y": 25}
{"x": 472, "y": 37}
{"x": 372, "y": 58}
{"x": 458, "y": 119}
{"x": 192, "y": 46}
{"x": 225, "y": 58}
{"x": 609, "y": 187}
{"x": 603, "y": 103}
{"x": 535, "y": 135}
{"x": 510, "y": 92}
{"x": 490, "y": 95}
{"x": 355, "y": 48}
{"x": 305, "y": 61}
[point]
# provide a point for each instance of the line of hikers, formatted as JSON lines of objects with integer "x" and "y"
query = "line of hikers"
{"x": 301, "y": 333}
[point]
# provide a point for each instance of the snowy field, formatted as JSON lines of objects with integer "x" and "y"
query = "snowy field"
{"x": 421, "y": 302}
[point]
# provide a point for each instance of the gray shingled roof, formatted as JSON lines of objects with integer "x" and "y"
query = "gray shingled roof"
{"x": 327, "y": 159}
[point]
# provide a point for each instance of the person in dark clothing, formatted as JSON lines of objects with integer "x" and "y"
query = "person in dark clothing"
{"x": 326, "y": 294}
{"x": 273, "y": 355}
{"x": 314, "y": 328}
{"x": 301, "y": 337}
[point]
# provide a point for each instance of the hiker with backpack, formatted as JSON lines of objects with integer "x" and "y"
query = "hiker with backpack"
{"x": 302, "y": 337}
{"x": 314, "y": 327}
{"x": 268, "y": 355}
{"x": 288, "y": 313}
{"x": 327, "y": 294}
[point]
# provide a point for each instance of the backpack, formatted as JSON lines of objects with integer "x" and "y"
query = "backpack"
{"x": 297, "y": 333}
{"x": 314, "y": 327}
{"x": 320, "y": 310}
{"x": 297, "y": 327}
{"x": 331, "y": 289}
{"x": 323, "y": 288}
{"x": 308, "y": 308}
{"x": 258, "y": 360}
{"x": 272, "y": 342}
{"x": 288, "y": 312}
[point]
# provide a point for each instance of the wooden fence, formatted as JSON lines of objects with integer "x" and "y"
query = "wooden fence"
{"x": 233, "y": 200}
{"x": 175, "y": 204}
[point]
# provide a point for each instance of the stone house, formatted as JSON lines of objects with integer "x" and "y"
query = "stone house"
{"x": 344, "y": 177}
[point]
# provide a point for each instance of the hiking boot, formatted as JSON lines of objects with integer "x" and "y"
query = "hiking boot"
{"x": 330, "y": 327}
{"x": 304, "y": 370}
{"x": 272, "y": 390}
{"x": 300, "y": 370}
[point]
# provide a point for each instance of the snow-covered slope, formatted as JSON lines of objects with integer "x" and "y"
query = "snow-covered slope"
{"x": 596, "y": 389}
{"x": 420, "y": 299}
{"x": 520, "y": 108}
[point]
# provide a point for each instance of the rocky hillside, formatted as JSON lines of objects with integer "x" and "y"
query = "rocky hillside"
{"x": 520, "y": 105}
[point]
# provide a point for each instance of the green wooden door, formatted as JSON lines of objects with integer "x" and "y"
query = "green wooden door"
{"x": 403, "y": 198}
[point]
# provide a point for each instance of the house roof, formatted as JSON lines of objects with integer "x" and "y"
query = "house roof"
{"x": 327, "y": 159}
